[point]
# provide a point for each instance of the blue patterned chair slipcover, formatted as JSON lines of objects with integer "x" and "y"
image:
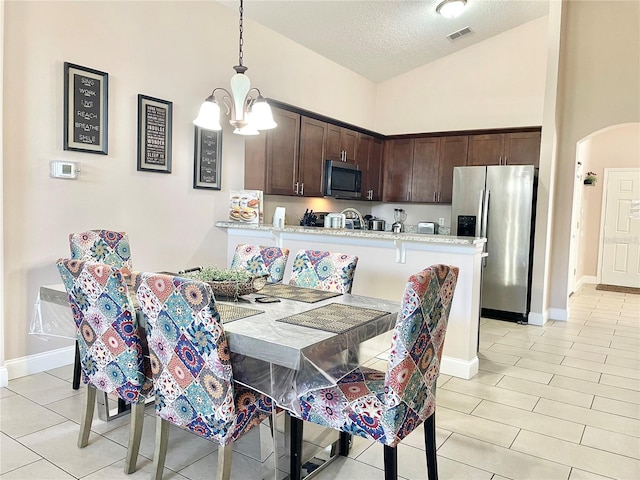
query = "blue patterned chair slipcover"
{"x": 324, "y": 270}
{"x": 192, "y": 372}
{"x": 259, "y": 260}
{"x": 386, "y": 407}
{"x": 110, "y": 346}
{"x": 103, "y": 246}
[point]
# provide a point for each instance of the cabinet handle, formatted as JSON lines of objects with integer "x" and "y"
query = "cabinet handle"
{"x": 297, "y": 188}
{"x": 505, "y": 160}
{"x": 434, "y": 196}
{"x": 302, "y": 188}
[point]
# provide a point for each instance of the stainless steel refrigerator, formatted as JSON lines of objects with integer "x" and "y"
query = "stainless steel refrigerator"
{"x": 498, "y": 202}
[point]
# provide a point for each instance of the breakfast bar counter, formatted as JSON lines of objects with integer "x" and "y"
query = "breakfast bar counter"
{"x": 386, "y": 260}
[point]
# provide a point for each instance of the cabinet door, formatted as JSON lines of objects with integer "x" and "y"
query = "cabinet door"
{"x": 453, "y": 153}
{"x": 333, "y": 149}
{"x": 255, "y": 162}
{"x": 486, "y": 149}
{"x": 424, "y": 182}
{"x": 374, "y": 174}
{"x": 362, "y": 161}
{"x": 522, "y": 148}
{"x": 398, "y": 162}
{"x": 349, "y": 143}
{"x": 313, "y": 134}
{"x": 282, "y": 153}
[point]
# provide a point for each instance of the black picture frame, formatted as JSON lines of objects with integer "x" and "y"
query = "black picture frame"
{"x": 155, "y": 120}
{"x": 85, "y": 120}
{"x": 207, "y": 159}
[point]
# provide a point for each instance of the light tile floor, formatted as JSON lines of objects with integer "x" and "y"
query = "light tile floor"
{"x": 555, "y": 402}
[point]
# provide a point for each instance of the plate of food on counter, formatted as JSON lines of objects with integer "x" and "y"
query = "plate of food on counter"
{"x": 245, "y": 206}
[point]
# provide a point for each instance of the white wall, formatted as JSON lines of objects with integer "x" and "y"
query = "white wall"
{"x": 178, "y": 51}
{"x": 495, "y": 83}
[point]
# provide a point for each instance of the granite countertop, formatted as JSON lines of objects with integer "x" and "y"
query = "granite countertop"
{"x": 349, "y": 233}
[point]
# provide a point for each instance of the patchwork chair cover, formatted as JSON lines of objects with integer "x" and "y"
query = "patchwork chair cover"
{"x": 192, "y": 372}
{"x": 109, "y": 343}
{"x": 103, "y": 246}
{"x": 324, "y": 270}
{"x": 259, "y": 260}
{"x": 386, "y": 407}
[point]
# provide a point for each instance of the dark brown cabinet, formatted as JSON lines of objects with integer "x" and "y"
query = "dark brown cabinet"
{"x": 398, "y": 163}
{"x": 341, "y": 143}
{"x": 517, "y": 148}
{"x": 430, "y": 166}
{"x": 369, "y": 160}
{"x": 288, "y": 160}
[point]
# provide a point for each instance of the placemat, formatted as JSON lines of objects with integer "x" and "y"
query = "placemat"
{"x": 229, "y": 313}
{"x": 336, "y": 317}
{"x": 300, "y": 294}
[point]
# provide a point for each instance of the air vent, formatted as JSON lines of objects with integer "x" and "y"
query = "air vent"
{"x": 459, "y": 33}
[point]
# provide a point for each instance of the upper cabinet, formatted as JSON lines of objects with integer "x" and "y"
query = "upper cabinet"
{"x": 425, "y": 167}
{"x": 517, "y": 148}
{"x": 287, "y": 160}
{"x": 369, "y": 160}
{"x": 341, "y": 143}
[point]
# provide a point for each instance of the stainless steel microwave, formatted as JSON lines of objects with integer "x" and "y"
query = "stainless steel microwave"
{"x": 342, "y": 180}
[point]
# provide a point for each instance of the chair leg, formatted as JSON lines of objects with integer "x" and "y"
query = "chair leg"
{"x": 343, "y": 444}
{"x": 430, "y": 446}
{"x": 160, "y": 451}
{"x": 87, "y": 417}
{"x": 76, "y": 369}
{"x": 390, "y": 463}
{"x": 135, "y": 434}
{"x": 295, "y": 461}
{"x": 225, "y": 456}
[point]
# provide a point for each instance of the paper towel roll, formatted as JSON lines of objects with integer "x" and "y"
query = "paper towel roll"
{"x": 278, "y": 217}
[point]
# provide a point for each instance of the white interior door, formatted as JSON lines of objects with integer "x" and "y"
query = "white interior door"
{"x": 575, "y": 226}
{"x": 620, "y": 263}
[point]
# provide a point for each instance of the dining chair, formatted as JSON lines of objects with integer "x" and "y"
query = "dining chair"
{"x": 386, "y": 407}
{"x": 102, "y": 246}
{"x": 192, "y": 371}
{"x": 110, "y": 346}
{"x": 260, "y": 260}
{"x": 322, "y": 270}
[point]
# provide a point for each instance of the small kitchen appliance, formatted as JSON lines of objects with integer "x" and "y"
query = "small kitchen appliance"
{"x": 429, "y": 228}
{"x": 342, "y": 180}
{"x": 376, "y": 224}
{"x": 278, "y": 217}
{"x": 399, "y": 216}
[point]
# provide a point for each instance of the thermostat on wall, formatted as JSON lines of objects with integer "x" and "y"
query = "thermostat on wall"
{"x": 60, "y": 169}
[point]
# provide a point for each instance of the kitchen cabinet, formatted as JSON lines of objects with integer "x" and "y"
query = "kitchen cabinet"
{"x": 429, "y": 163}
{"x": 341, "y": 143}
{"x": 288, "y": 160}
{"x": 517, "y": 148}
{"x": 369, "y": 160}
{"x": 398, "y": 162}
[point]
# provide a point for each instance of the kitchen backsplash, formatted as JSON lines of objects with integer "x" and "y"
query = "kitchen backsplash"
{"x": 295, "y": 208}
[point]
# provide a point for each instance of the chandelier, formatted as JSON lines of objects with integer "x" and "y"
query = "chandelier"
{"x": 249, "y": 111}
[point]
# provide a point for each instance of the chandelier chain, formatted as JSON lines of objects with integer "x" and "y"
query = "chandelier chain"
{"x": 241, "y": 42}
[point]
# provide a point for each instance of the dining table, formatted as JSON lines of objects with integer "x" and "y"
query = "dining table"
{"x": 283, "y": 339}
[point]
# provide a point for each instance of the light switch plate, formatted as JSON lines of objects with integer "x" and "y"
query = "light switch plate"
{"x": 441, "y": 221}
{"x": 62, "y": 169}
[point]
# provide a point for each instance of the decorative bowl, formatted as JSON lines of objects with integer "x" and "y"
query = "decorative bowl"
{"x": 235, "y": 289}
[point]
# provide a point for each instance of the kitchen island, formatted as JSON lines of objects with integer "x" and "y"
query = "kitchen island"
{"x": 386, "y": 260}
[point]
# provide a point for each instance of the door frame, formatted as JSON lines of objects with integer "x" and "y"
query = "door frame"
{"x": 576, "y": 227}
{"x": 602, "y": 212}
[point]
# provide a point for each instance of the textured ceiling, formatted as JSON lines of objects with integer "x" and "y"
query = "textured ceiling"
{"x": 381, "y": 39}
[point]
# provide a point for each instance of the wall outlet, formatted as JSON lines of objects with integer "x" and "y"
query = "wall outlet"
{"x": 441, "y": 221}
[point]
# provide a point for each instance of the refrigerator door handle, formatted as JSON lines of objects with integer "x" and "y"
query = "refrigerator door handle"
{"x": 485, "y": 213}
{"x": 479, "y": 217}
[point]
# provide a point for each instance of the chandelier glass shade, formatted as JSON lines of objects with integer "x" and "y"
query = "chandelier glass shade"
{"x": 248, "y": 110}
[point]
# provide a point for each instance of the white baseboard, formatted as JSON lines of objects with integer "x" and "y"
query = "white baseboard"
{"x": 4, "y": 377}
{"x": 561, "y": 314}
{"x": 40, "y": 362}
{"x": 538, "y": 319}
{"x": 459, "y": 368}
{"x": 586, "y": 279}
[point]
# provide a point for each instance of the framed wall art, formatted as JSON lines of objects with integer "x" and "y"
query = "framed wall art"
{"x": 85, "y": 109}
{"x": 154, "y": 134}
{"x": 207, "y": 159}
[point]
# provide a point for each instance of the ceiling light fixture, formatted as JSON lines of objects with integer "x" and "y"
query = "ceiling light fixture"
{"x": 451, "y": 8}
{"x": 249, "y": 111}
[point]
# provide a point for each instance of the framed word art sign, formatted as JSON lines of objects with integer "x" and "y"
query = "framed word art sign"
{"x": 154, "y": 134}
{"x": 207, "y": 155}
{"x": 85, "y": 109}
